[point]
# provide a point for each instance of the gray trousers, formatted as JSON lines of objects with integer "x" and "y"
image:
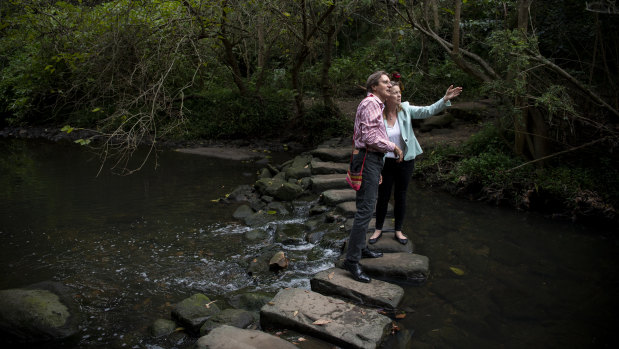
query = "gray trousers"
{"x": 366, "y": 201}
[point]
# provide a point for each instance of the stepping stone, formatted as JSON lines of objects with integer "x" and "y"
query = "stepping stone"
{"x": 321, "y": 183}
{"x": 338, "y": 282}
{"x": 349, "y": 208}
{"x": 343, "y": 324}
{"x": 386, "y": 244}
{"x": 403, "y": 267}
{"x": 320, "y": 167}
{"x": 332, "y": 154}
{"x": 387, "y": 225}
{"x": 228, "y": 337}
{"x": 335, "y": 196}
{"x": 223, "y": 153}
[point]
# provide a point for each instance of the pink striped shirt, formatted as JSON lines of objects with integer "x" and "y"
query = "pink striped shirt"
{"x": 370, "y": 129}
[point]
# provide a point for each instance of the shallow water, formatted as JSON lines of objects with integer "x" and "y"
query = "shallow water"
{"x": 132, "y": 246}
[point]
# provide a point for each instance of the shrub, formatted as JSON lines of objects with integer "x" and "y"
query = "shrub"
{"x": 225, "y": 114}
{"x": 321, "y": 123}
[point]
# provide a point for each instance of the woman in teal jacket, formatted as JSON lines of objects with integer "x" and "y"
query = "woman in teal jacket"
{"x": 398, "y": 118}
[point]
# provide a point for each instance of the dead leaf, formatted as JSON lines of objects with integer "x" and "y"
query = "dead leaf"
{"x": 255, "y": 260}
{"x": 331, "y": 274}
{"x": 400, "y": 316}
{"x": 271, "y": 303}
{"x": 321, "y": 322}
{"x": 208, "y": 305}
{"x": 179, "y": 329}
{"x": 301, "y": 339}
{"x": 295, "y": 313}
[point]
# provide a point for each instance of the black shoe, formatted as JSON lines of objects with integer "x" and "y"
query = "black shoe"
{"x": 355, "y": 269}
{"x": 402, "y": 241}
{"x": 365, "y": 253}
{"x": 373, "y": 241}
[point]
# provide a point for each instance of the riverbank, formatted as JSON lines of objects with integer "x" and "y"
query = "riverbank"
{"x": 442, "y": 139}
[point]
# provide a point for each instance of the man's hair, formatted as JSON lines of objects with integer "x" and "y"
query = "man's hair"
{"x": 373, "y": 80}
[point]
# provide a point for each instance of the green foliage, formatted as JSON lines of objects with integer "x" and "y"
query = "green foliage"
{"x": 488, "y": 168}
{"x": 224, "y": 114}
{"x": 488, "y": 139}
{"x": 321, "y": 123}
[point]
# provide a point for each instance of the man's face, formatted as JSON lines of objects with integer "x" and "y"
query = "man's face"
{"x": 382, "y": 89}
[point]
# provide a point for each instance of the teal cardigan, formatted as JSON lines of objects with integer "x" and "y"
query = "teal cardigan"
{"x": 405, "y": 116}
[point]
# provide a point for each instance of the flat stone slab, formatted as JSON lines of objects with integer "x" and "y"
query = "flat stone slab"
{"x": 228, "y": 337}
{"x": 332, "y": 154}
{"x": 386, "y": 244}
{"x": 320, "y": 183}
{"x": 335, "y": 196}
{"x": 321, "y": 167}
{"x": 333, "y": 320}
{"x": 338, "y": 282}
{"x": 349, "y": 208}
{"x": 387, "y": 225}
{"x": 223, "y": 153}
{"x": 404, "y": 267}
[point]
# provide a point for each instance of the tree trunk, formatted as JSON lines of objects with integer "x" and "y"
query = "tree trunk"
{"x": 325, "y": 85}
{"x": 521, "y": 119}
{"x": 437, "y": 23}
{"x": 456, "y": 28}
{"x": 296, "y": 84}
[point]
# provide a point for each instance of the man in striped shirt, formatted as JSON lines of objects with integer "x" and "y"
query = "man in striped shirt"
{"x": 370, "y": 135}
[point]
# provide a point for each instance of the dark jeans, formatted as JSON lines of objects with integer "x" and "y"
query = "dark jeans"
{"x": 366, "y": 201}
{"x": 396, "y": 175}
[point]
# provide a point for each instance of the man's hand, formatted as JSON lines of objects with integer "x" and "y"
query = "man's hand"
{"x": 398, "y": 154}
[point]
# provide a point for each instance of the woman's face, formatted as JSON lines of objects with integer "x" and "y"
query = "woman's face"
{"x": 395, "y": 96}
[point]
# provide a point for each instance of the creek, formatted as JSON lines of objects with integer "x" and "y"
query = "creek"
{"x": 132, "y": 246}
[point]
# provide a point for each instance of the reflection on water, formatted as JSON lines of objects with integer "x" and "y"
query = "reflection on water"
{"x": 132, "y": 246}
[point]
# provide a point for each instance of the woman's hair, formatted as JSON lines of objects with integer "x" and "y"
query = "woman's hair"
{"x": 397, "y": 83}
{"x": 373, "y": 80}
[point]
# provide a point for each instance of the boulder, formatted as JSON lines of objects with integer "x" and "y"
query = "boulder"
{"x": 40, "y": 313}
{"x": 233, "y": 317}
{"x": 162, "y": 327}
{"x": 291, "y": 234}
{"x": 230, "y": 337}
{"x": 300, "y": 167}
{"x": 278, "y": 261}
{"x": 242, "y": 212}
{"x": 256, "y": 234}
{"x": 193, "y": 312}
{"x": 251, "y": 301}
{"x": 243, "y": 192}
{"x": 288, "y": 191}
{"x": 258, "y": 219}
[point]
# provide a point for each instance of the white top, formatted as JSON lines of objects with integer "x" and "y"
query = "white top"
{"x": 394, "y": 134}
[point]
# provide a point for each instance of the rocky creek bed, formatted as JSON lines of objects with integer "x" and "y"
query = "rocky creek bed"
{"x": 336, "y": 309}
